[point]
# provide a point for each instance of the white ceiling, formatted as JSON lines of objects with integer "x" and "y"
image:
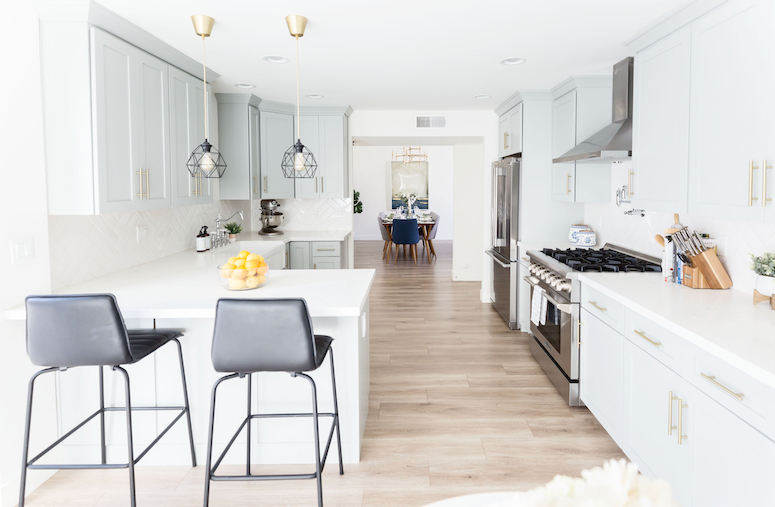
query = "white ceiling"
{"x": 401, "y": 54}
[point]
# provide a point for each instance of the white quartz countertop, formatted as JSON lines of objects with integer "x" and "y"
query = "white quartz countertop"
{"x": 186, "y": 285}
{"x": 288, "y": 236}
{"x": 724, "y": 323}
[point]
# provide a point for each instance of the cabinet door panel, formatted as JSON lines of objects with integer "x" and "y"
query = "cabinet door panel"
{"x": 648, "y": 384}
{"x": 278, "y": 136}
{"x": 117, "y": 158}
{"x": 255, "y": 147}
{"x": 326, "y": 263}
{"x": 153, "y": 133}
{"x": 309, "y": 188}
{"x": 564, "y": 181}
{"x": 299, "y": 254}
{"x": 564, "y": 123}
{"x": 733, "y": 464}
{"x": 515, "y": 130}
{"x": 729, "y": 92}
{"x": 602, "y": 351}
{"x": 661, "y": 125}
{"x": 503, "y": 137}
{"x": 332, "y": 157}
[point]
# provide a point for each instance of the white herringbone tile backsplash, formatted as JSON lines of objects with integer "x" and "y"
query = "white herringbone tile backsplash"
{"x": 85, "y": 247}
{"x": 311, "y": 214}
{"x": 738, "y": 239}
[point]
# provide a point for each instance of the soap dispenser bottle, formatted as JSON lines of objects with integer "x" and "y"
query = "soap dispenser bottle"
{"x": 201, "y": 240}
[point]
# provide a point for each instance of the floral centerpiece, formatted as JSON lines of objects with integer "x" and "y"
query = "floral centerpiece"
{"x": 764, "y": 266}
{"x": 409, "y": 200}
{"x": 616, "y": 484}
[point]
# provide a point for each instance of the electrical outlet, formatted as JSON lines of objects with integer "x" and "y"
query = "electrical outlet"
{"x": 318, "y": 212}
{"x": 142, "y": 233}
{"x": 22, "y": 249}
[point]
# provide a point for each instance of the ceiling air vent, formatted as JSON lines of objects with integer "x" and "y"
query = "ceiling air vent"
{"x": 431, "y": 122}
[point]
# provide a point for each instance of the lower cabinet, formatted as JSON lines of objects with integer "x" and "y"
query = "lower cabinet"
{"x": 602, "y": 350}
{"x": 315, "y": 255}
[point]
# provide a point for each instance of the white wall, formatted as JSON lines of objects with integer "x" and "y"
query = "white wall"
{"x": 469, "y": 187}
{"x": 371, "y": 177}
{"x": 477, "y": 124}
{"x": 23, "y": 208}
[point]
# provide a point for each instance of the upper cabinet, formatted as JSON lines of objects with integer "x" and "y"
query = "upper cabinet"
{"x": 704, "y": 109}
{"x": 581, "y": 108}
{"x": 510, "y": 132}
{"x": 326, "y": 137}
{"x": 238, "y": 126}
{"x": 277, "y": 135}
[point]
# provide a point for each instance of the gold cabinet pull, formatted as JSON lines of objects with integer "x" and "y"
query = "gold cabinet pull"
{"x": 594, "y": 303}
{"x": 751, "y": 168}
{"x": 316, "y": 184}
{"x": 712, "y": 380}
{"x": 321, "y": 185}
{"x": 255, "y": 185}
{"x": 578, "y": 334}
{"x": 314, "y": 266}
{"x": 630, "y": 174}
{"x": 764, "y": 183}
{"x": 670, "y": 400}
{"x": 147, "y": 182}
{"x": 681, "y": 407}
{"x": 326, "y": 249}
{"x": 567, "y": 184}
{"x": 266, "y": 187}
{"x": 643, "y": 335}
{"x": 505, "y": 140}
{"x": 140, "y": 174}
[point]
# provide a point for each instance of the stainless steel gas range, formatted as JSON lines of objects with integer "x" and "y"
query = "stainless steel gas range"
{"x": 555, "y": 343}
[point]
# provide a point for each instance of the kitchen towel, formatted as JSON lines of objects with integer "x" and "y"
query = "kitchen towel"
{"x": 538, "y": 306}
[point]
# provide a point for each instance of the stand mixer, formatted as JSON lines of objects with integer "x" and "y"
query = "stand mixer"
{"x": 270, "y": 218}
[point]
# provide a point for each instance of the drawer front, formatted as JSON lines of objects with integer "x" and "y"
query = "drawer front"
{"x": 744, "y": 396}
{"x": 603, "y": 307}
{"x": 656, "y": 340}
{"x": 326, "y": 249}
{"x": 326, "y": 262}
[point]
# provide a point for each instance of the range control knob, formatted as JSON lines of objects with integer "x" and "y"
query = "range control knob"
{"x": 564, "y": 285}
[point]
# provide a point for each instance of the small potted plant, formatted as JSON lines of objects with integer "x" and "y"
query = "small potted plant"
{"x": 234, "y": 228}
{"x": 764, "y": 267}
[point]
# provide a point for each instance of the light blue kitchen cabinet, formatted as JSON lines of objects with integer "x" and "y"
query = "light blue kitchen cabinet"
{"x": 563, "y": 139}
{"x": 315, "y": 254}
{"x": 298, "y": 251}
{"x": 131, "y": 95}
{"x": 187, "y": 131}
{"x": 326, "y": 137}
{"x": 277, "y": 135}
{"x": 510, "y": 132}
{"x": 309, "y": 188}
{"x": 240, "y": 145}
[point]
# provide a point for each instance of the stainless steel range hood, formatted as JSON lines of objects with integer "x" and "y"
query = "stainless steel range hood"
{"x": 613, "y": 142}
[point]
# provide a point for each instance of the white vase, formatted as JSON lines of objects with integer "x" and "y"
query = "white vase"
{"x": 232, "y": 238}
{"x": 765, "y": 285}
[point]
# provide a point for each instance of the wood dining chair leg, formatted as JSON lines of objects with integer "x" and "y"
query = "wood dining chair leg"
{"x": 413, "y": 248}
{"x": 398, "y": 247}
{"x": 384, "y": 250}
{"x": 433, "y": 250}
{"x": 428, "y": 249}
{"x": 390, "y": 251}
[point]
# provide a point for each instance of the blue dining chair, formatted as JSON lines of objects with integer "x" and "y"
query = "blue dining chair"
{"x": 387, "y": 249}
{"x": 405, "y": 232}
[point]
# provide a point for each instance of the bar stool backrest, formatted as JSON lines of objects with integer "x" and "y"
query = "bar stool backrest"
{"x": 76, "y": 330}
{"x": 253, "y": 335}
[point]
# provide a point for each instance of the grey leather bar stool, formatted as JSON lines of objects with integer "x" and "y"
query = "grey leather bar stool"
{"x": 269, "y": 335}
{"x": 67, "y": 331}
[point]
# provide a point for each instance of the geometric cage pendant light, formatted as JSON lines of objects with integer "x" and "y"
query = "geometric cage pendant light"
{"x": 205, "y": 160}
{"x": 298, "y": 161}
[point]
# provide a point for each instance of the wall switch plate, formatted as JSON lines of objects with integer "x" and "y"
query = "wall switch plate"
{"x": 142, "y": 233}
{"x": 22, "y": 249}
{"x": 318, "y": 212}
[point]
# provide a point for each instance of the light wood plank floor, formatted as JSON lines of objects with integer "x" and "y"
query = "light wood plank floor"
{"x": 457, "y": 406}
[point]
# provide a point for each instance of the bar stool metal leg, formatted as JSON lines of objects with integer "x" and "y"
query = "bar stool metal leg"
{"x": 103, "y": 446}
{"x": 316, "y": 428}
{"x": 209, "y": 459}
{"x": 26, "y": 444}
{"x": 185, "y": 402}
{"x": 130, "y": 444}
{"x": 250, "y": 392}
{"x": 336, "y": 412}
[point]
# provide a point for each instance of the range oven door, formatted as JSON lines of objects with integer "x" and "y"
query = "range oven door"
{"x": 559, "y": 335}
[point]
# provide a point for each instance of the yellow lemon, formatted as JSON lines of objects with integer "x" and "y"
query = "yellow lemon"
{"x": 232, "y": 260}
{"x": 252, "y": 282}
{"x": 225, "y": 273}
{"x": 252, "y": 257}
{"x": 239, "y": 263}
{"x": 236, "y": 284}
{"x": 261, "y": 260}
{"x": 239, "y": 274}
{"x": 243, "y": 254}
{"x": 228, "y": 265}
{"x": 261, "y": 270}
{"x": 251, "y": 272}
{"x": 250, "y": 264}
{"x": 261, "y": 279}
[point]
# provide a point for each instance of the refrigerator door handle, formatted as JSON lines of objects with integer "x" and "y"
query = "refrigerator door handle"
{"x": 491, "y": 253}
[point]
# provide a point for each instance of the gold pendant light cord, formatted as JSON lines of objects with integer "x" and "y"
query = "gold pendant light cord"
{"x": 298, "y": 108}
{"x": 204, "y": 81}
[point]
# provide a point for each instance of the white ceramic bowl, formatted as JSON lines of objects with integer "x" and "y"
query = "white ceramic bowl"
{"x": 242, "y": 279}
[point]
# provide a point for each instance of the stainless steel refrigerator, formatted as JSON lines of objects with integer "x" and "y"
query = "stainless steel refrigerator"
{"x": 505, "y": 233}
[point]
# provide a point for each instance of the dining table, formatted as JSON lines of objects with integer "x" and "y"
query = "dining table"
{"x": 424, "y": 222}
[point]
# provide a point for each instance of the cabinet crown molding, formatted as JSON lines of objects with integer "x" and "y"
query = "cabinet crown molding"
{"x": 238, "y": 98}
{"x": 576, "y": 82}
{"x": 521, "y": 96}
{"x": 670, "y": 23}
{"x": 282, "y": 107}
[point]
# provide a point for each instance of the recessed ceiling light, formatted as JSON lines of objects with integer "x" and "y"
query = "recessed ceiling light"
{"x": 481, "y": 97}
{"x": 314, "y": 96}
{"x": 513, "y": 61}
{"x": 276, "y": 59}
{"x": 244, "y": 86}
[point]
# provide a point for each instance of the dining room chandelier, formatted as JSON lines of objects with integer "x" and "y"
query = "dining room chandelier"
{"x": 298, "y": 161}
{"x": 205, "y": 161}
{"x": 411, "y": 154}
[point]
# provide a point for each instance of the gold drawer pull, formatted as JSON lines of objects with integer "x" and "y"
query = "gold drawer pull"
{"x": 764, "y": 183}
{"x": 681, "y": 407}
{"x": 712, "y": 380}
{"x": 567, "y": 184}
{"x": 670, "y": 401}
{"x": 505, "y": 140}
{"x": 266, "y": 187}
{"x": 643, "y": 335}
{"x": 594, "y": 303}
{"x": 751, "y": 198}
{"x": 526, "y": 259}
{"x": 326, "y": 249}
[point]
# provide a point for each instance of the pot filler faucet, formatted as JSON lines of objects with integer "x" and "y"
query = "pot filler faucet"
{"x": 220, "y": 234}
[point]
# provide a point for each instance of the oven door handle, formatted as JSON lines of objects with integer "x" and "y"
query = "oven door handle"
{"x": 492, "y": 254}
{"x": 563, "y": 307}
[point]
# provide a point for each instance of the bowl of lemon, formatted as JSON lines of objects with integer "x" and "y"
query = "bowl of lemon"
{"x": 246, "y": 271}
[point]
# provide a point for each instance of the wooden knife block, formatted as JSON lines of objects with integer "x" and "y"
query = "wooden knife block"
{"x": 714, "y": 273}
{"x": 693, "y": 278}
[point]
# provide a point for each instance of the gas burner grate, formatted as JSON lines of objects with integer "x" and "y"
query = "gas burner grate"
{"x": 603, "y": 260}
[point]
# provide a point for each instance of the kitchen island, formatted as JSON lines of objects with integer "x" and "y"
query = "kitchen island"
{"x": 181, "y": 291}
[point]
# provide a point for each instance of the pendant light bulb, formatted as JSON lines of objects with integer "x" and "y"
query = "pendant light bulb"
{"x": 206, "y": 163}
{"x": 298, "y": 162}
